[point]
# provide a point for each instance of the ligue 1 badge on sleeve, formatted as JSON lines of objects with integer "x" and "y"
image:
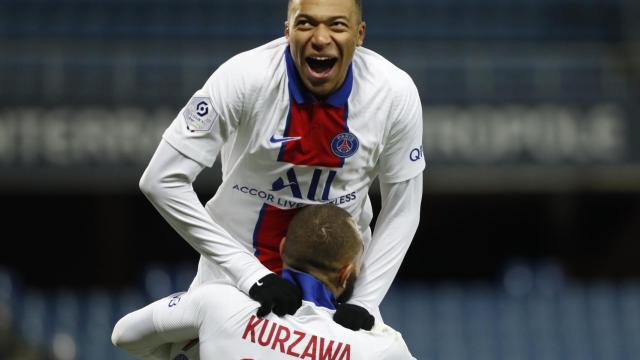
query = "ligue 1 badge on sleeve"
{"x": 199, "y": 114}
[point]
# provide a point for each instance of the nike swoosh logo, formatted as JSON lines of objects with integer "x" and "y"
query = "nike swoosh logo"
{"x": 275, "y": 140}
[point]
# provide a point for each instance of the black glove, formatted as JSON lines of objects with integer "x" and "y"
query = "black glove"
{"x": 277, "y": 294}
{"x": 353, "y": 317}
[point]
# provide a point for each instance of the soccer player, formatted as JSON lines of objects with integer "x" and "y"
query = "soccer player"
{"x": 309, "y": 118}
{"x": 321, "y": 254}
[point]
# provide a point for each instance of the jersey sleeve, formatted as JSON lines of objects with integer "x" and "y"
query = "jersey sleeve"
{"x": 395, "y": 227}
{"x": 167, "y": 183}
{"x": 402, "y": 156}
{"x": 212, "y": 114}
{"x": 147, "y": 333}
{"x": 398, "y": 350}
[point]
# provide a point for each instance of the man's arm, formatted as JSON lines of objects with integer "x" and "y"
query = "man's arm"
{"x": 396, "y": 225}
{"x": 182, "y": 318}
{"x": 147, "y": 333}
{"x": 401, "y": 165}
{"x": 167, "y": 183}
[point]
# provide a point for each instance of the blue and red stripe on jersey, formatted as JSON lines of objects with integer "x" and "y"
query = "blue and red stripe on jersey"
{"x": 317, "y": 123}
{"x": 270, "y": 228}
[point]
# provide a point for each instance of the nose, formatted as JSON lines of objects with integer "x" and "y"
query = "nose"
{"x": 321, "y": 37}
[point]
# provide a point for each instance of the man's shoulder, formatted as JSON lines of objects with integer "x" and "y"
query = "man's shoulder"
{"x": 311, "y": 328}
{"x": 251, "y": 69}
{"x": 369, "y": 64}
{"x": 394, "y": 345}
{"x": 259, "y": 58}
{"x": 381, "y": 342}
{"x": 222, "y": 296}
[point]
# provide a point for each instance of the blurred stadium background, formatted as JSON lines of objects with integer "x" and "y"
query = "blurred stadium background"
{"x": 529, "y": 244}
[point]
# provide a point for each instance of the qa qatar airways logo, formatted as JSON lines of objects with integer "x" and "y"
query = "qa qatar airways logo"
{"x": 416, "y": 154}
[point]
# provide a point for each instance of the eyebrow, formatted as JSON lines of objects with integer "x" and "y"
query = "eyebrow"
{"x": 331, "y": 18}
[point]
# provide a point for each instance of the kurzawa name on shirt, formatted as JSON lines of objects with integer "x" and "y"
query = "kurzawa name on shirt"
{"x": 278, "y": 337}
{"x": 286, "y": 203}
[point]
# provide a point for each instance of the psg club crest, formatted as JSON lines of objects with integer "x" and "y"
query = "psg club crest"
{"x": 344, "y": 145}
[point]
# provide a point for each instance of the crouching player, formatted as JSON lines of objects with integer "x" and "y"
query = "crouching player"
{"x": 321, "y": 256}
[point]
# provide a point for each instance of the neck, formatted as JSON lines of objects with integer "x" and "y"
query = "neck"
{"x": 338, "y": 98}
{"x": 326, "y": 281}
{"x": 313, "y": 289}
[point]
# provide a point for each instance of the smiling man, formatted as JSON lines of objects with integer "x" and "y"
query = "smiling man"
{"x": 310, "y": 118}
{"x": 323, "y": 36}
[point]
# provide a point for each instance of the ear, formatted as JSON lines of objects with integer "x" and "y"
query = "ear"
{"x": 343, "y": 275}
{"x": 281, "y": 248}
{"x": 361, "y": 33}
{"x": 286, "y": 30}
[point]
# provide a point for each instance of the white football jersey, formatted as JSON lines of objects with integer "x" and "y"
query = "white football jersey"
{"x": 281, "y": 149}
{"x": 224, "y": 320}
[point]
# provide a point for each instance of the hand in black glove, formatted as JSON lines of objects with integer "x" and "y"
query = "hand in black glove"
{"x": 276, "y": 294}
{"x": 353, "y": 317}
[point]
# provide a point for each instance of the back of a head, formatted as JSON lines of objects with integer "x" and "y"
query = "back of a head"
{"x": 321, "y": 237}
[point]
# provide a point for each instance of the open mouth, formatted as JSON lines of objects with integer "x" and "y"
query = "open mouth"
{"x": 320, "y": 65}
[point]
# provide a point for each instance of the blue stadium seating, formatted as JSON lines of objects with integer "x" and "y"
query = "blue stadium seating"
{"x": 534, "y": 313}
{"x": 521, "y": 20}
{"x": 150, "y": 52}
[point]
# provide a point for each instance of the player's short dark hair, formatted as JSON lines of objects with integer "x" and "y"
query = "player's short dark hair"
{"x": 321, "y": 237}
{"x": 358, "y": 6}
